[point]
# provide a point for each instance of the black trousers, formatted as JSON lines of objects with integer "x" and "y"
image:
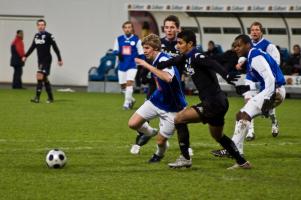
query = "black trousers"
{"x": 17, "y": 77}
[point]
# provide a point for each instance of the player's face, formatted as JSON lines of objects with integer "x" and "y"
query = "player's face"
{"x": 241, "y": 48}
{"x": 170, "y": 30}
{"x": 256, "y": 33}
{"x": 41, "y": 26}
{"x": 183, "y": 46}
{"x": 149, "y": 52}
{"x": 127, "y": 29}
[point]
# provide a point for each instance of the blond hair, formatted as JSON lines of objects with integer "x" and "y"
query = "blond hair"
{"x": 152, "y": 40}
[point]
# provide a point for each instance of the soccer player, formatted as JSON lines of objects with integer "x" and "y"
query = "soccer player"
{"x": 262, "y": 68}
{"x": 127, "y": 47}
{"x": 171, "y": 27}
{"x": 165, "y": 102}
{"x": 214, "y": 102}
{"x": 42, "y": 41}
{"x": 260, "y": 42}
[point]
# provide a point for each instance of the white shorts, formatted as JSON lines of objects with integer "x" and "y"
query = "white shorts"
{"x": 253, "y": 106}
{"x": 253, "y": 89}
{"x": 128, "y": 75}
{"x": 149, "y": 111}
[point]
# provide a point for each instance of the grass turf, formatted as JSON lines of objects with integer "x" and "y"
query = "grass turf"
{"x": 92, "y": 130}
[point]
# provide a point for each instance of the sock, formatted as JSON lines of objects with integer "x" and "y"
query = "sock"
{"x": 241, "y": 129}
{"x": 146, "y": 129}
{"x": 48, "y": 89}
{"x": 128, "y": 95}
{"x": 251, "y": 129}
{"x": 161, "y": 149}
{"x": 183, "y": 139}
{"x": 229, "y": 145}
{"x": 139, "y": 135}
{"x": 273, "y": 116}
{"x": 39, "y": 89}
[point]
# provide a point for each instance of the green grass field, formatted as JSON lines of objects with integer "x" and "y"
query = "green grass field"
{"x": 92, "y": 130}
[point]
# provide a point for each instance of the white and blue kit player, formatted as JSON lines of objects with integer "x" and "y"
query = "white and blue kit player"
{"x": 127, "y": 47}
{"x": 165, "y": 102}
{"x": 265, "y": 45}
{"x": 261, "y": 68}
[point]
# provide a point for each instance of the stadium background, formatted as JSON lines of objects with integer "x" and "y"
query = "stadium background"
{"x": 85, "y": 30}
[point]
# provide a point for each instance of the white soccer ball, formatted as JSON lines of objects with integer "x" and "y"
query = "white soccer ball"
{"x": 56, "y": 159}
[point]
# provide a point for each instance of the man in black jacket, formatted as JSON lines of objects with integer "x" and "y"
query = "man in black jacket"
{"x": 42, "y": 41}
{"x": 17, "y": 52}
{"x": 214, "y": 103}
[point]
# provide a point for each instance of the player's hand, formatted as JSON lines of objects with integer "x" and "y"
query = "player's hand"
{"x": 232, "y": 77}
{"x": 60, "y": 63}
{"x": 241, "y": 89}
{"x": 140, "y": 62}
{"x": 241, "y": 61}
{"x": 24, "y": 59}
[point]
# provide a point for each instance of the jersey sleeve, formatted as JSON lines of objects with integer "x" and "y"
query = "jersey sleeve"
{"x": 210, "y": 64}
{"x": 31, "y": 48}
{"x": 116, "y": 46}
{"x": 139, "y": 47}
{"x": 273, "y": 51}
{"x": 260, "y": 65}
{"x": 170, "y": 70}
{"x": 55, "y": 48}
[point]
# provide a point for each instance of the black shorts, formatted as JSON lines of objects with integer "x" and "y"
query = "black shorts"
{"x": 213, "y": 110}
{"x": 44, "y": 68}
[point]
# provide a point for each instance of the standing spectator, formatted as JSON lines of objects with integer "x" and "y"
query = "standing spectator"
{"x": 42, "y": 41}
{"x": 17, "y": 52}
{"x": 127, "y": 47}
{"x": 294, "y": 62}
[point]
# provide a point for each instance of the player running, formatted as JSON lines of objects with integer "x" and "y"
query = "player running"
{"x": 262, "y": 68}
{"x": 171, "y": 27}
{"x": 165, "y": 102}
{"x": 214, "y": 103}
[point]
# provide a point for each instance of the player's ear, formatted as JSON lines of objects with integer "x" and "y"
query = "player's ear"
{"x": 190, "y": 44}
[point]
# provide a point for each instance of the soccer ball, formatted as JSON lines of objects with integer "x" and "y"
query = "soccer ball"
{"x": 56, "y": 159}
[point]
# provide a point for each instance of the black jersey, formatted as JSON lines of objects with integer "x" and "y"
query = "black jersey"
{"x": 42, "y": 42}
{"x": 202, "y": 71}
{"x": 169, "y": 47}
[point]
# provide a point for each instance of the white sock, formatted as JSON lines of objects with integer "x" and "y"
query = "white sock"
{"x": 251, "y": 129}
{"x": 161, "y": 150}
{"x": 147, "y": 130}
{"x": 128, "y": 95}
{"x": 241, "y": 128}
{"x": 273, "y": 115}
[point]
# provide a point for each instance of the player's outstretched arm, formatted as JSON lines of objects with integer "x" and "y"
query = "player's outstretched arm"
{"x": 165, "y": 76}
{"x": 218, "y": 68}
{"x": 175, "y": 61}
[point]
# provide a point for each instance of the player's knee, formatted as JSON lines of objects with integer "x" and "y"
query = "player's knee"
{"x": 133, "y": 125}
{"x": 178, "y": 119}
{"x": 243, "y": 116}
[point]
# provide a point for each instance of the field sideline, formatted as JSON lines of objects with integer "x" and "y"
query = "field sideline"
{"x": 92, "y": 130}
